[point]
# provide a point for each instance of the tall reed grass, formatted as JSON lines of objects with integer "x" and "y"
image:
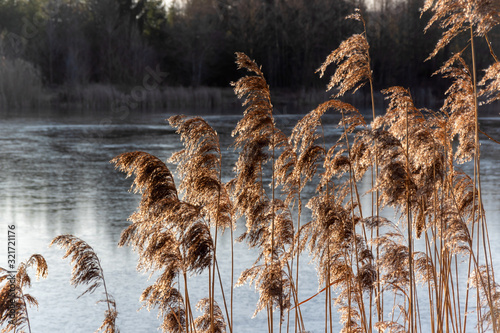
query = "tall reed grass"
{"x": 398, "y": 274}
{"x": 375, "y": 272}
{"x": 20, "y": 84}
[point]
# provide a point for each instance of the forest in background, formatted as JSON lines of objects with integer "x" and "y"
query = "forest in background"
{"x": 191, "y": 43}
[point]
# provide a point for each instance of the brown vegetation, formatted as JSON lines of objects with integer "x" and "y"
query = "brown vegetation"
{"x": 363, "y": 258}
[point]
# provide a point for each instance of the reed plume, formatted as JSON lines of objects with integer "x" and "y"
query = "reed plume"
{"x": 211, "y": 321}
{"x": 199, "y": 166}
{"x": 169, "y": 301}
{"x": 169, "y": 234}
{"x": 254, "y": 133}
{"x": 455, "y": 17}
{"x": 353, "y": 62}
{"x": 269, "y": 272}
{"x": 411, "y": 162}
{"x": 14, "y": 302}
{"x": 344, "y": 261}
{"x": 465, "y": 197}
{"x": 301, "y": 156}
{"x": 87, "y": 270}
{"x": 296, "y": 167}
{"x": 491, "y": 83}
{"x": 459, "y": 106}
{"x": 161, "y": 215}
{"x": 353, "y": 72}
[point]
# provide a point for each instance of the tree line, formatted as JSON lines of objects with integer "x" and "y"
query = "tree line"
{"x": 194, "y": 41}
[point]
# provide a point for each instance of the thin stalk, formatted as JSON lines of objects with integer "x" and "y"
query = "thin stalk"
{"x": 352, "y": 181}
{"x": 467, "y": 293}
{"x": 298, "y": 256}
{"x": 419, "y": 319}
{"x": 326, "y": 300}
{"x": 491, "y": 48}
{"x": 327, "y": 287}
{"x": 457, "y": 302}
{"x": 481, "y": 218}
{"x": 429, "y": 288}
{"x": 230, "y": 324}
{"x": 349, "y": 293}
{"x": 476, "y": 138}
{"x": 288, "y": 322}
{"x": 103, "y": 284}
{"x": 27, "y": 316}
{"x": 269, "y": 319}
{"x": 408, "y": 219}
{"x": 187, "y": 305}
{"x": 380, "y": 310}
{"x": 273, "y": 213}
{"x": 329, "y": 291}
{"x": 295, "y": 295}
{"x": 438, "y": 259}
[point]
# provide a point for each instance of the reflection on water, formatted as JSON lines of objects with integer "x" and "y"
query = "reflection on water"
{"x": 56, "y": 178}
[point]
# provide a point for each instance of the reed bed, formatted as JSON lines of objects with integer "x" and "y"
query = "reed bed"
{"x": 380, "y": 271}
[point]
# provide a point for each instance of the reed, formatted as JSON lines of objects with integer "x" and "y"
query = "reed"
{"x": 14, "y": 302}
{"x": 200, "y": 167}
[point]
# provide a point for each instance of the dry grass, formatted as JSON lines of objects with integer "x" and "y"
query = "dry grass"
{"x": 364, "y": 260}
{"x": 87, "y": 270}
{"x": 14, "y": 302}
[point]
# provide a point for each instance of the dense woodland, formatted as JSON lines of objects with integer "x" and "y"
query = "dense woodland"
{"x": 77, "y": 42}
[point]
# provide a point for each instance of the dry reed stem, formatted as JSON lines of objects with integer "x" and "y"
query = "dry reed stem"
{"x": 415, "y": 173}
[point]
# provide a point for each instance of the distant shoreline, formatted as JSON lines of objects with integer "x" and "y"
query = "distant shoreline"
{"x": 219, "y": 99}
